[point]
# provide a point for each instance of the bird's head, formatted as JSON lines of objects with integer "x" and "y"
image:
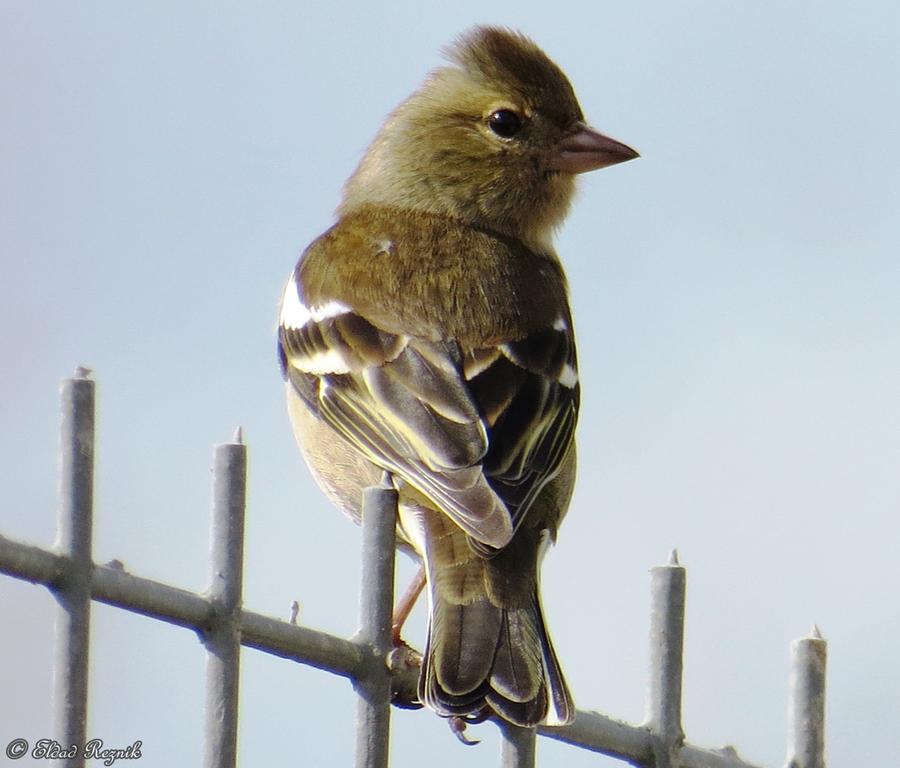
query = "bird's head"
{"x": 494, "y": 140}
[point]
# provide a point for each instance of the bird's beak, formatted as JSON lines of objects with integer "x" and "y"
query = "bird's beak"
{"x": 587, "y": 150}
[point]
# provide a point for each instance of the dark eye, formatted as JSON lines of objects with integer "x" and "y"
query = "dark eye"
{"x": 505, "y": 123}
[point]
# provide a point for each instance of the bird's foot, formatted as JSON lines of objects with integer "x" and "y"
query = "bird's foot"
{"x": 459, "y": 723}
{"x": 405, "y": 662}
{"x": 458, "y": 727}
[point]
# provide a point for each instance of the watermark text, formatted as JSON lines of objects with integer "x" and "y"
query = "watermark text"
{"x": 50, "y": 749}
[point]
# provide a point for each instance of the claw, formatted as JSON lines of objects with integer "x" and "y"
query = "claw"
{"x": 458, "y": 727}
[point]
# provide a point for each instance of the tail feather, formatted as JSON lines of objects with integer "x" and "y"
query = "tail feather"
{"x": 517, "y": 671}
{"x": 561, "y": 710}
{"x": 518, "y": 687}
{"x": 480, "y": 654}
{"x": 487, "y": 644}
{"x": 459, "y": 635}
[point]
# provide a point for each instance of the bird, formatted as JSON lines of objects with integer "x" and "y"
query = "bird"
{"x": 427, "y": 337}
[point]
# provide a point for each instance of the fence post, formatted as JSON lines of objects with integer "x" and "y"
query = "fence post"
{"x": 73, "y": 591}
{"x": 806, "y": 702}
{"x": 667, "y": 585}
{"x": 223, "y": 640}
{"x": 379, "y": 521}
{"x": 68, "y": 571}
{"x": 518, "y": 750}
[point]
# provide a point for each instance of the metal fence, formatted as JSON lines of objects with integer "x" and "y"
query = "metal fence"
{"x": 224, "y": 626}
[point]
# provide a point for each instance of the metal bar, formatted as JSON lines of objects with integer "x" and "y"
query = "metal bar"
{"x": 667, "y": 593}
{"x": 518, "y": 746}
{"x": 308, "y": 646}
{"x": 376, "y": 597}
{"x": 73, "y": 586}
{"x": 223, "y": 640}
{"x": 114, "y": 586}
{"x": 30, "y": 563}
{"x": 74, "y": 579}
{"x": 806, "y": 702}
{"x": 698, "y": 757}
{"x": 634, "y": 744}
{"x": 606, "y": 736}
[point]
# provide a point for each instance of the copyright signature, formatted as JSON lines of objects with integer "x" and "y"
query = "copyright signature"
{"x": 50, "y": 749}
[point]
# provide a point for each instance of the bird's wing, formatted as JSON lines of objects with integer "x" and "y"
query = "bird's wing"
{"x": 479, "y": 431}
{"x": 527, "y": 392}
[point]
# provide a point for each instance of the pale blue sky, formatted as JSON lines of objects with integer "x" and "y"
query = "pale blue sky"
{"x": 736, "y": 299}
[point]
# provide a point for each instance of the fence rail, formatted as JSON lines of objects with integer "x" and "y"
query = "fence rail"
{"x": 224, "y": 625}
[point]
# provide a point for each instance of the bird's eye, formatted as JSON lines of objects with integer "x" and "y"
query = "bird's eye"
{"x": 505, "y": 123}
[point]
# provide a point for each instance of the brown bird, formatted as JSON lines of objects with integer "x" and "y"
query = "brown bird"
{"x": 428, "y": 334}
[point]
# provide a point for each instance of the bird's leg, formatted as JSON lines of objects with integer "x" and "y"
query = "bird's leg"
{"x": 405, "y": 605}
{"x": 408, "y": 600}
{"x": 403, "y": 657}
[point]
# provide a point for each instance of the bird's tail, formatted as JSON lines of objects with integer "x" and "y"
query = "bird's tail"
{"x": 487, "y": 642}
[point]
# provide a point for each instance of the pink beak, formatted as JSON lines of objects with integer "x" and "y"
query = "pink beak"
{"x": 587, "y": 150}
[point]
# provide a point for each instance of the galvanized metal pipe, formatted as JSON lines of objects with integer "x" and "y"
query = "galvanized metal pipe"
{"x": 518, "y": 746}
{"x": 667, "y": 594}
{"x": 73, "y": 588}
{"x": 69, "y": 573}
{"x": 308, "y": 646}
{"x": 806, "y": 702}
{"x": 30, "y": 563}
{"x": 113, "y": 585}
{"x": 223, "y": 640}
{"x": 606, "y": 736}
{"x": 379, "y": 521}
